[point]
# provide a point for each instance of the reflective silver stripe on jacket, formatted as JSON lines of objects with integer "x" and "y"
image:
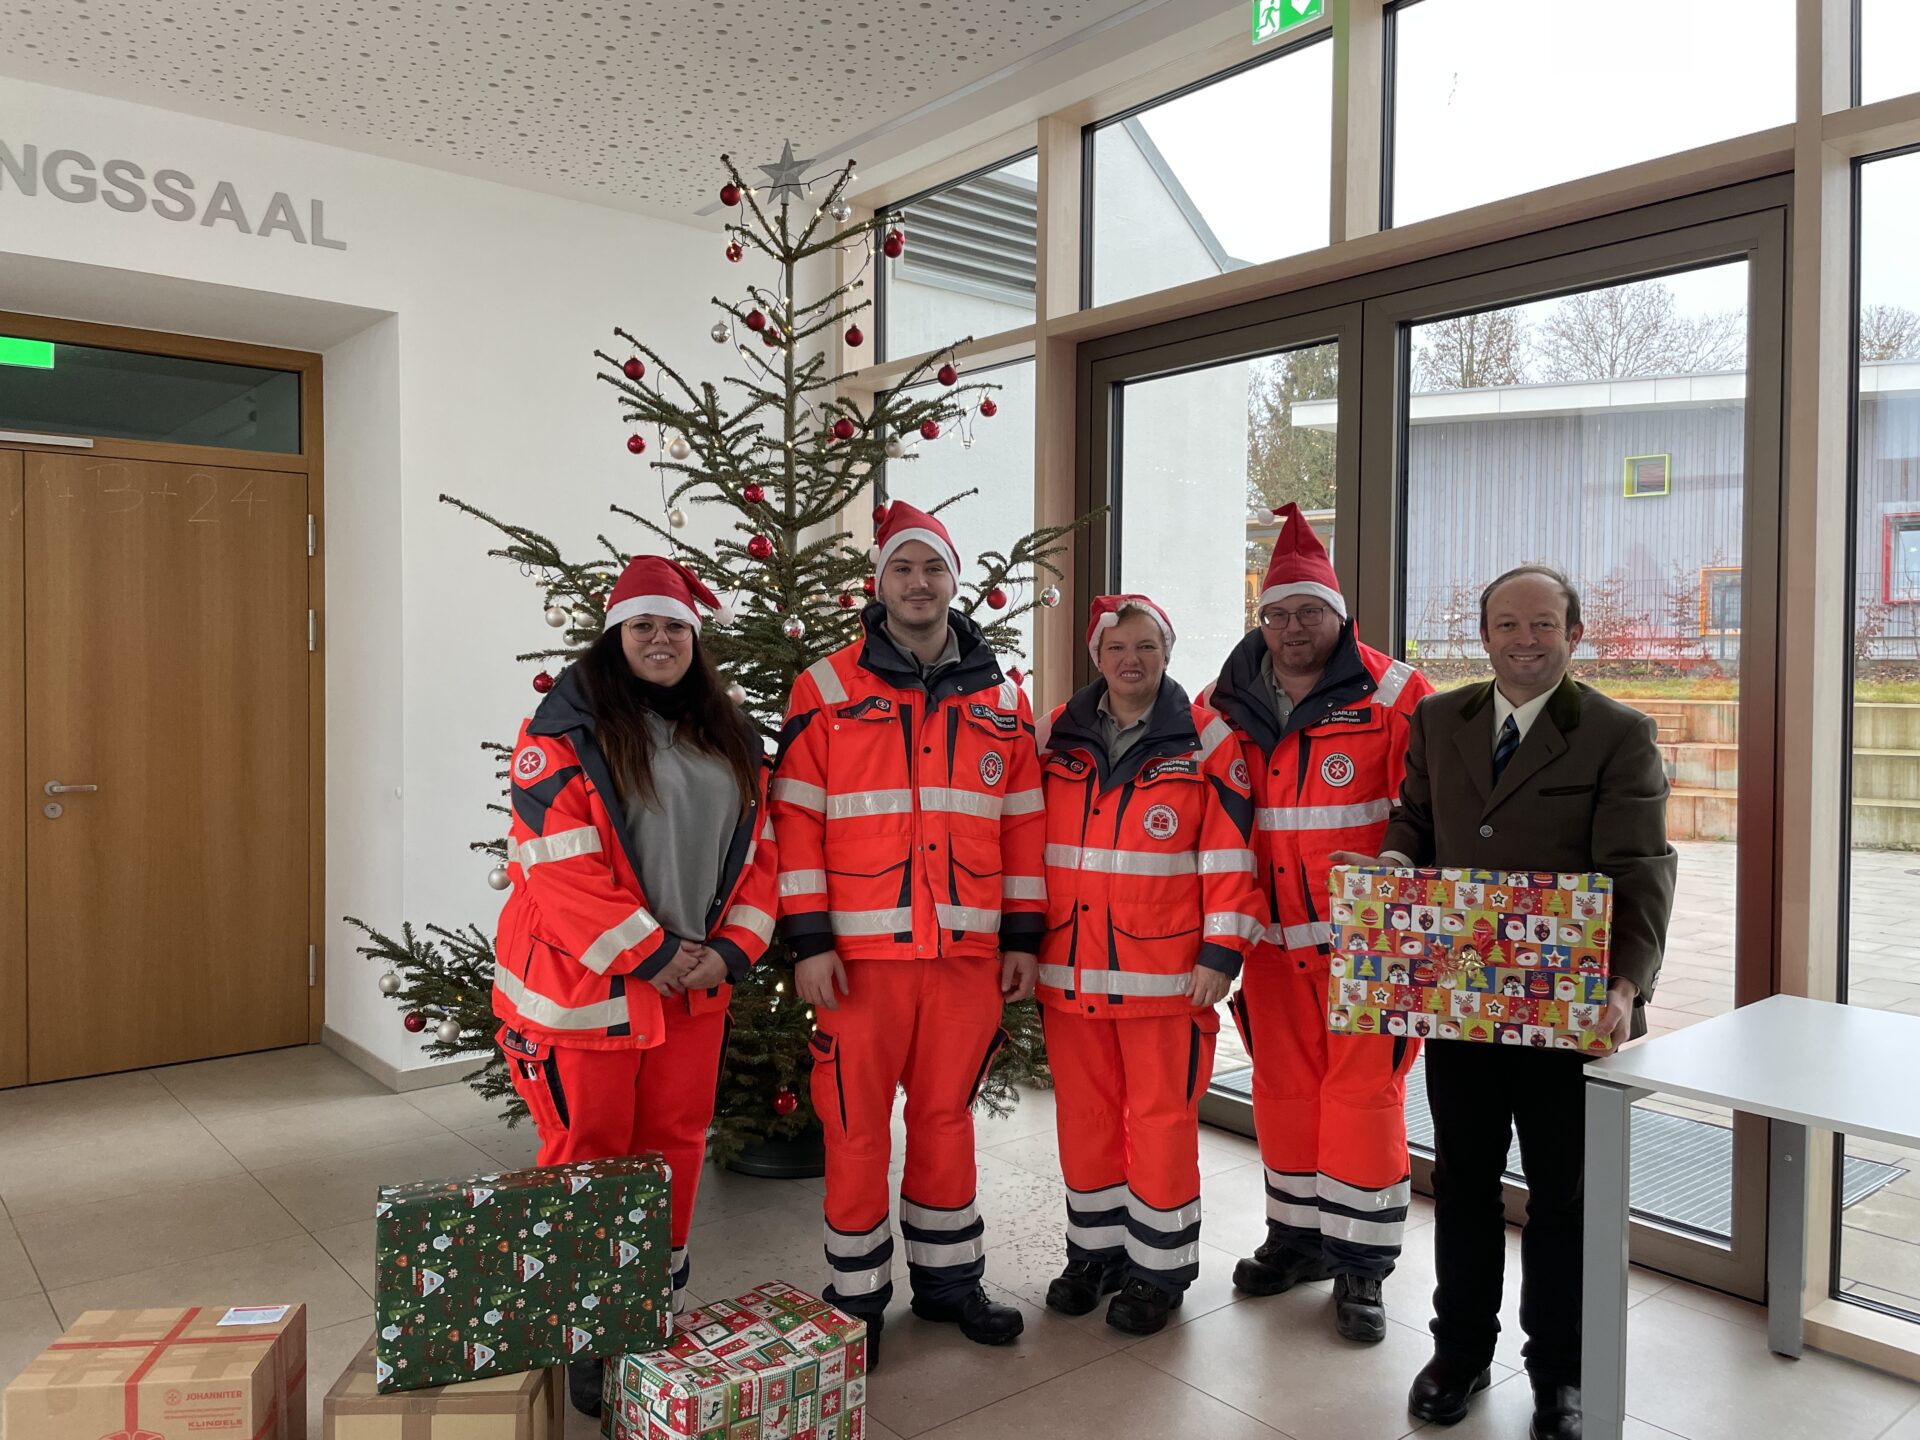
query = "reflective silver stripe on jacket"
{"x": 600, "y": 955}
{"x": 1022, "y": 887}
{"x": 1323, "y": 817}
{"x": 1115, "y": 982}
{"x": 966, "y": 917}
{"x": 799, "y": 792}
{"x": 1026, "y": 802}
{"x": 853, "y": 803}
{"x": 537, "y": 1009}
{"x": 753, "y": 918}
{"x": 1300, "y": 937}
{"x": 1392, "y": 683}
{"x": 871, "y": 922}
{"x": 827, "y": 680}
{"x": 1231, "y": 922}
{"x": 562, "y": 845}
{"x": 1226, "y": 862}
{"x": 802, "y": 882}
{"x": 960, "y": 802}
{"x": 1211, "y": 738}
{"x": 1091, "y": 860}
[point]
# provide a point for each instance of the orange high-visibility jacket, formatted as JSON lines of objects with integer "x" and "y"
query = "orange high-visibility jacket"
{"x": 576, "y": 942}
{"x": 1150, "y": 862}
{"x": 1327, "y": 781}
{"x": 909, "y": 818}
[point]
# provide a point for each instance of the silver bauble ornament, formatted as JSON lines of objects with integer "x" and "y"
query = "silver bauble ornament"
{"x": 498, "y": 877}
{"x": 795, "y": 628}
{"x": 721, "y": 332}
{"x": 677, "y": 518}
{"x": 1050, "y": 596}
{"x": 841, "y": 212}
{"x": 737, "y": 694}
{"x": 678, "y": 447}
{"x": 389, "y": 984}
{"x": 895, "y": 449}
{"x": 556, "y": 617}
{"x": 583, "y": 619}
{"x": 448, "y": 1032}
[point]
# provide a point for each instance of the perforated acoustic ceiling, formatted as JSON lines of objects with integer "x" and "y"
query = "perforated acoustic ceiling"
{"x": 625, "y": 102}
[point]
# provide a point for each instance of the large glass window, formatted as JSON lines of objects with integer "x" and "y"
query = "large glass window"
{"x": 1879, "y": 1200}
{"x": 1889, "y": 41}
{"x": 1216, "y": 178}
{"x": 1496, "y": 97}
{"x": 968, "y": 267}
{"x": 988, "y": 462}
{"x": 1519, "y": 413}
{"x": 123, "y": 395}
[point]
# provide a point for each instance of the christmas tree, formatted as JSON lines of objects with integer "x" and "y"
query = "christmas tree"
{"x": 788, "y": 458}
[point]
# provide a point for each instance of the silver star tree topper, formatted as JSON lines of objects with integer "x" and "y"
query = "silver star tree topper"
{"x": 784, "y": 174}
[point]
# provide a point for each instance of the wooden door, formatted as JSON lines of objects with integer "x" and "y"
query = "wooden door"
{"x": 13, "y": 778}
{"x": 166, "y": 664}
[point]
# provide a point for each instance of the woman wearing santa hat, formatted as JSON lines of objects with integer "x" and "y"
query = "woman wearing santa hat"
{"x": 1152, "y": 904}
{"x": 643, "y": 873}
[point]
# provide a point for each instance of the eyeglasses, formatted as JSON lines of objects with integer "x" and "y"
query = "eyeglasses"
{"x": 1307, "y": 616}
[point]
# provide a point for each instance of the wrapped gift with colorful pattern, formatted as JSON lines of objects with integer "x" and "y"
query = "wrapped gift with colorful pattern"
{"x": 497, "y": 1274}
{"x": 1494, "y": 956}
{"x": 775, "y": 1364}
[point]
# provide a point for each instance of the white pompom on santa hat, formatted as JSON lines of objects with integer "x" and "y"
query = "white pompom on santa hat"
{"x": 902, "y": 523}
{"x": 655, "y": 585}
{"x": 1300, "y": 565}
{"x": 1107, "y": 610}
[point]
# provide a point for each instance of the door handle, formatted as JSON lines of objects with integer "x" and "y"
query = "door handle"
{"x": 54, "y": 787}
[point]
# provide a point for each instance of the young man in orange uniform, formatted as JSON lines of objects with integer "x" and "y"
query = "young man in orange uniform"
{"x": 1322, "y": 722}
{"x": 907, "y": 794}
{"x": 1152, "y": 904}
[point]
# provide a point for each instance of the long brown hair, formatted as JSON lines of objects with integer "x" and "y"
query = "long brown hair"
{"x": 710, "y": 720}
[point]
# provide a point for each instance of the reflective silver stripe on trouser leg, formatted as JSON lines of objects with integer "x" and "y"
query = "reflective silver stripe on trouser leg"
{"x": 860, "y": 1269}
{"x": 1362, "y": 1229}
{"x": 1097, "y": 1223}
{"x": 682, "y": 1268}
{"x": 1163, "y": 1246}
{"x": 1293, "y": 1207}
{"x": 946, "y": 1248}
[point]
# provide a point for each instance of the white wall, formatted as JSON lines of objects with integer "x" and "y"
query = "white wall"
{"x": 475, "y": 376}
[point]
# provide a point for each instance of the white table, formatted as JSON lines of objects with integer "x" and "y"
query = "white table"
{"x": 1804, "y": 1064}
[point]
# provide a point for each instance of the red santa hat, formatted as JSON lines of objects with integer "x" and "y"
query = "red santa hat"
{"x": 1106, "y": 613}
{"x": 902, "y": 523}
{"x": 655, "y": 585}
{"x": 1300, "y": 565}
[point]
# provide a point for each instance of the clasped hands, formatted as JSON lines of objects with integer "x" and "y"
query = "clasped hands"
{"x": 693, "y": 967}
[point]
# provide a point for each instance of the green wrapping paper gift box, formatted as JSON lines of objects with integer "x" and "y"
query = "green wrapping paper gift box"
{"x": 775, "y": 1364}
{"x": 502, "y": 1273}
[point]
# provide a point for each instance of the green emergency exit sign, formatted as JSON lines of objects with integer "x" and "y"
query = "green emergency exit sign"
{"x": 1276, "y": 17}
{"x": 30, "y": 354}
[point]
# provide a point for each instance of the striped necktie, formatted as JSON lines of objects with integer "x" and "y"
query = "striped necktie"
{"x": 1504, "y": 747}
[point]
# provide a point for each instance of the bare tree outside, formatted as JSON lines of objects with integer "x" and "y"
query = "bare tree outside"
{"x": 1625, "y": 331}
{"x": 1286, "y": 462}
{"x": 1888, "y": 332}
{"x": 1472, "y": 352}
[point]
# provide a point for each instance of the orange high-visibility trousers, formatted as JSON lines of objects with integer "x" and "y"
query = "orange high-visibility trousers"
{"x": 933, "y": 1026}
{"x": 594, "y": 1104}
{"x": 1330, "y": 1114}
{"x": 1127, "y": 1097}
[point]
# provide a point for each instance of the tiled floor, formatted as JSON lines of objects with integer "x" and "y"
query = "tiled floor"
{"x": 251, "y": 1179}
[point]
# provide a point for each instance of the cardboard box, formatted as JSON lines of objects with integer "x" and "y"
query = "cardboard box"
{"x": 775, "y": 1364}
{"x": 231, "y": 1373}
{"x": 503, "y": 1273}
{"x": 1493, "y": 956}
{"x": 528, "y": 1406}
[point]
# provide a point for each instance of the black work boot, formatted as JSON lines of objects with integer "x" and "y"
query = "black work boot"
{"x": 586, "y": 1379}
{"x": 1275, "y": 1269}
{"x": 1078, "y": 1288}
{"x": 983, "y": 1321}
{"x": 1359, "y": 1312}
{"x": 1142, "y": 1308}
{"x": 875, "y": 1324}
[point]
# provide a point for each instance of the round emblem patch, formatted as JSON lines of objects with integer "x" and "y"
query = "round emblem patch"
{"x": 529, "y": 765}
{"x": 1240, "y": 777}
{"x": 1160, "y": 821}
{"x": 992, "y": 767}
{"x": 1337, "y": 770}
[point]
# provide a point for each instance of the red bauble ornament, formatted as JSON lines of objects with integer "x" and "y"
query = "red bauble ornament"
{"x": 988, "y": 408}
{"x": 843, "y": 428}
{"x": 866, "y": 585}
{"x": 759, "y": 547}
{"x": 1014, "y": 675}
{"x": 636, "y": 444}
{"x": 785, "y": 1102}
{"x": 543, "y": 682}
{"x": 846, "y": 602}
{"x": 753, "y": 494}
{"x": 855, "y": 336}
{"x": 755, "y": 320}
{"x": 997, "y": 598}
{"x": 947, "y": 375}
{"x": 734, "y": 252}
{"x": 634, "y": 368}
{"x": 771, "y": 335}
{"x": 414, "y": 1021}
{"x": 894, "y": 245}
{"x": 929, "y": 429}
{"x": 729, "y": 194}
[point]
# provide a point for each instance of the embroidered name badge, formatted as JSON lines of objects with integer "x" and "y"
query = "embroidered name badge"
{"x": 872, "y": 705}
{"x": 1361, "y": 716}
{"x": 1006, "y": 724}
{"x": 1162, "y": 768}
{"x": 1067, "y": 763}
